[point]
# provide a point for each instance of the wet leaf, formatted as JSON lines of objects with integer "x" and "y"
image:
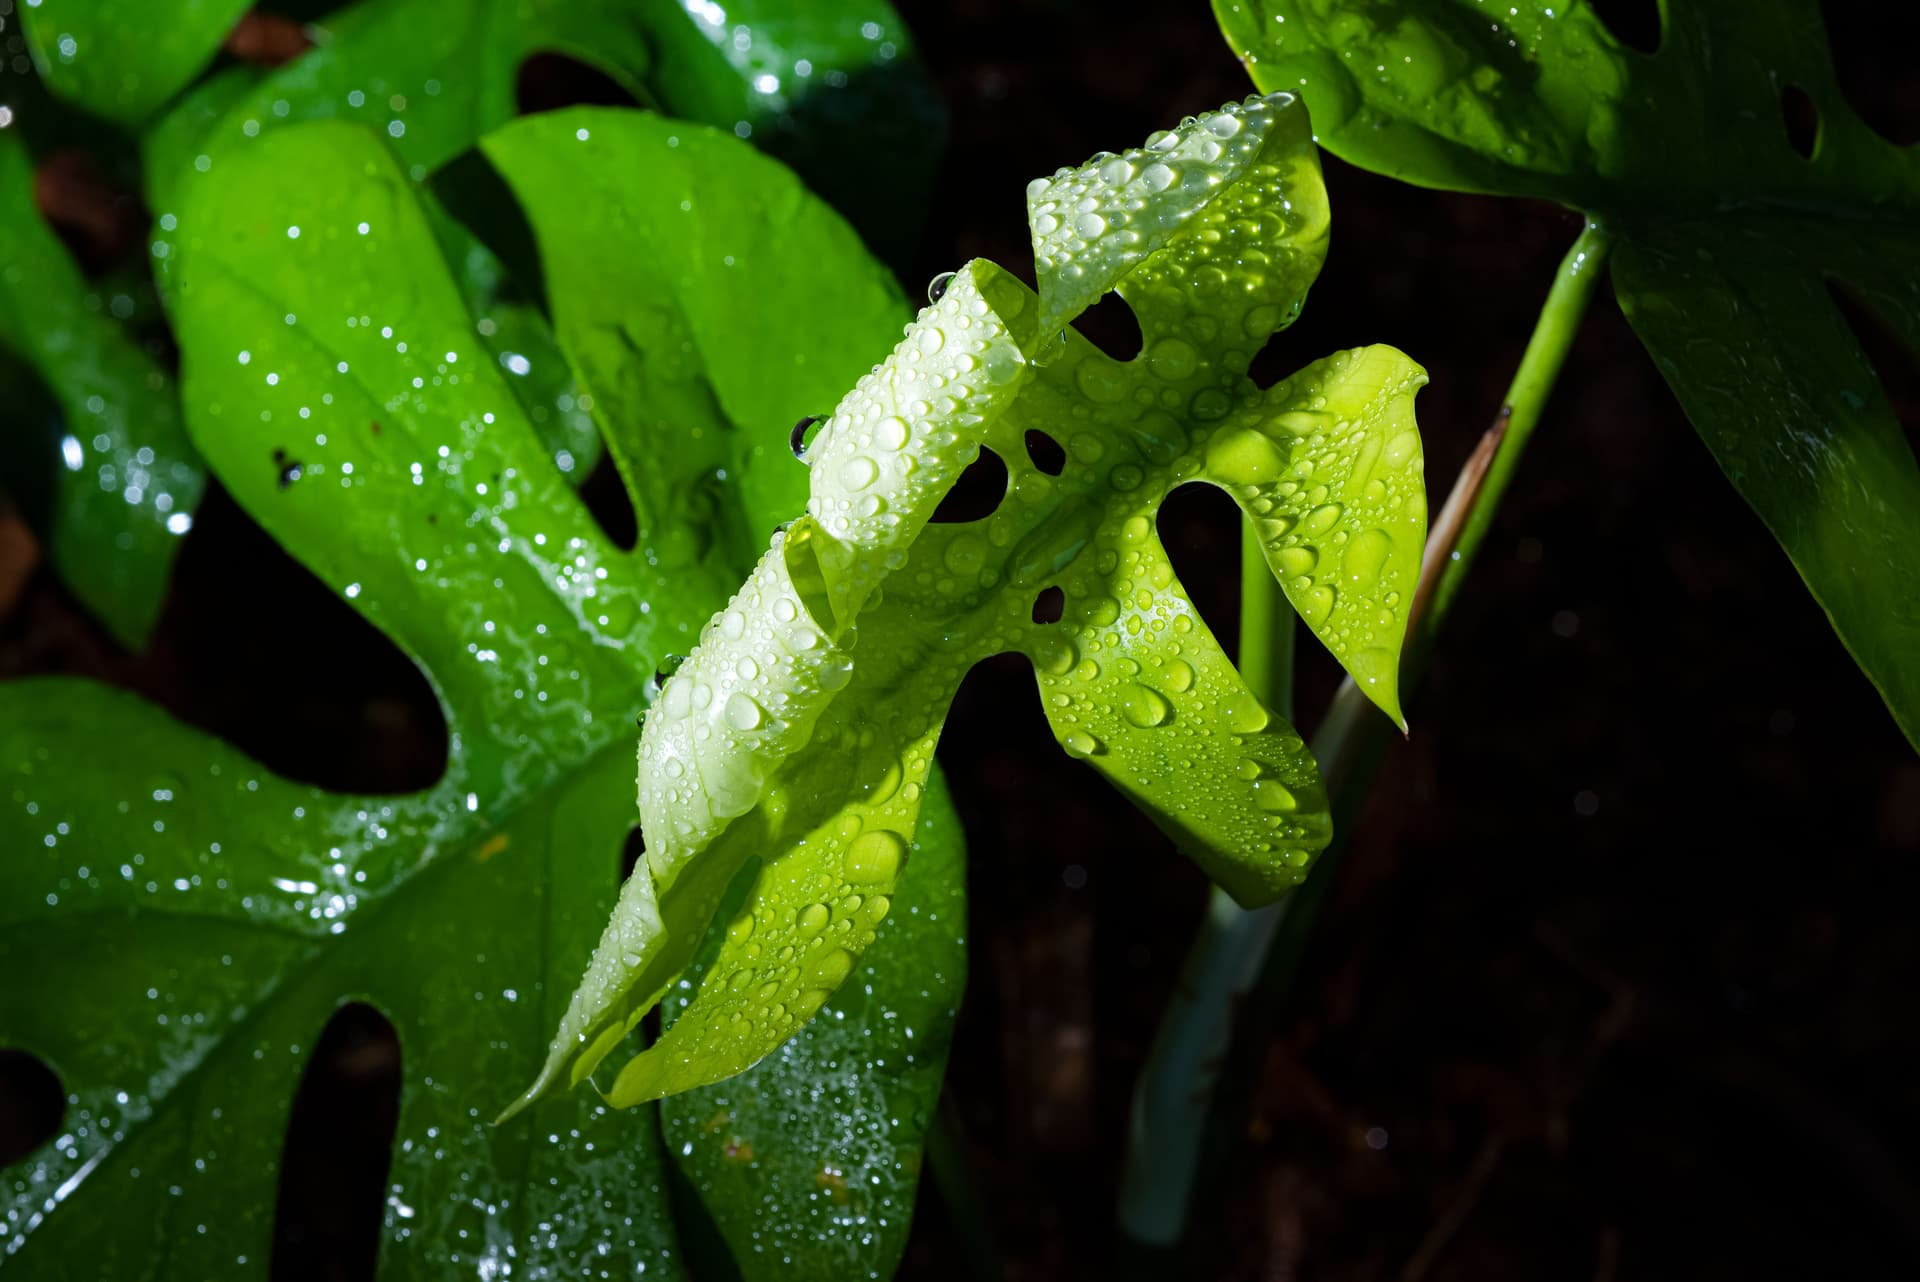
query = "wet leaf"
{"x": 122, "y": 477}
{"x": 1728, "y": 235}
{"x": 118, "y": 58}
{"x": 786, "y": 759}
{"x": 834, "y": 89}
{"x": 211, "y": 917}
{"x": 808, "y": 1160}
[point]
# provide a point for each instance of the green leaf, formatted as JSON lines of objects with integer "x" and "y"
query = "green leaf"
{"x": 673, "y": 348}
{"x": 790, "y": 751}
{"x": 209, "y": 918}
{"x": 124, "y": 480}
{"x": 117, "y": 58}
{"x": 1728, "y": 239}
{"x": 834, "y": 89}
{"x": 433, "y": 74}
{"x": 807, "y": 1161}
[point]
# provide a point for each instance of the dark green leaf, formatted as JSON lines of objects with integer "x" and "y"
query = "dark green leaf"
{"x": 208, "y": 918}
{"x": 1728, "y": 237}
{"x": 124, "y": 482}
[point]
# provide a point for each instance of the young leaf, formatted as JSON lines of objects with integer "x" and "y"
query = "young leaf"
{"x": 792, "y": 748}
{"x": 119, "y": 59}
{"x": 126, "y": 481}
{"x": 1728, "y": 237}
{"x": 209, "y": 918}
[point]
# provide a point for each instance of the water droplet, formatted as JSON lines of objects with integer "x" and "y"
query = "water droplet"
{"x": 1274, "y": 797}
{"x": 1296, "y": 560}
{"x": 1172, "y": 359}
{"x": 875, "y": 858}
{"x": 813, "y": 919}
{"x": 937, "y": 287}
{"x": 1144, "y": 706}
{"x": 797, "y": 438}
{"x": 1321, "y": 519}
{"x": 743, "y": 713}
{"x": 1365, "y": 555}
{"x": 859, "y": 472}
{"x": 1246, "y": 714}
{"x": 1079, "y": 743}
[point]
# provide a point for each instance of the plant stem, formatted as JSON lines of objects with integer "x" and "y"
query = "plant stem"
{"x": 1176, "y": 1086}
{"x": 1266, "y": 628}
{"x": 1175, "y": 1094}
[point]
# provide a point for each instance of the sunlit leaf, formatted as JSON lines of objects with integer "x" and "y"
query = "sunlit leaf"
{"x": 790, "y": 752}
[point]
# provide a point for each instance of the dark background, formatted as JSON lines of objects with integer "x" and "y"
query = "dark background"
{"x": 1618, "y": 981}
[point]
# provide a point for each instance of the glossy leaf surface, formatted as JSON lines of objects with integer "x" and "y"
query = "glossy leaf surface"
{"x": 1728, "y": 236}
{"x": 791, "y": 750}
{"x": 125, "y": 480}
{"x": 213, "y": 917}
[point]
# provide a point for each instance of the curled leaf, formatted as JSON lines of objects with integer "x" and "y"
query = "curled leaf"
{"x": 792, "y": 749}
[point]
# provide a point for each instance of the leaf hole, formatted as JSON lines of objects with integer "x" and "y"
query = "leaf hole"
{"x": 1893, "y": 361}
{"x": 605, "y": 494}
{"x": 1199, "y": 525}
{"x": 32, "y": 1104}
{"x": 1634, "y": 23}
{"x": 1111, "y": 326}
{"x": 1049, "y": 606}
{"x": 977, "y": 493}
{"x": 632, "y": 851}
{"x": 285, "y": 670}
{"x": 1047, "y": 454}
{"x": 1802, "y": 119}
{"x": 551, "y": 81}
{"x": 339, "y": 1146}
{"x": 1872, "y": 49}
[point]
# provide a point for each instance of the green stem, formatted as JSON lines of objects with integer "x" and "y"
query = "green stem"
{"x": 1567, "y": 301}
{"x": 1176, "y": 1086}
{"x": 1238, "y": 951}
{"x": 1266, "y": 628}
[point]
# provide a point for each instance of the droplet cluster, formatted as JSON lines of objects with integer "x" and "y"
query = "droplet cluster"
{"x": 896, "y": 443}
{"x": 746, "y": 699}
{"x": 1094, "y": 224}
